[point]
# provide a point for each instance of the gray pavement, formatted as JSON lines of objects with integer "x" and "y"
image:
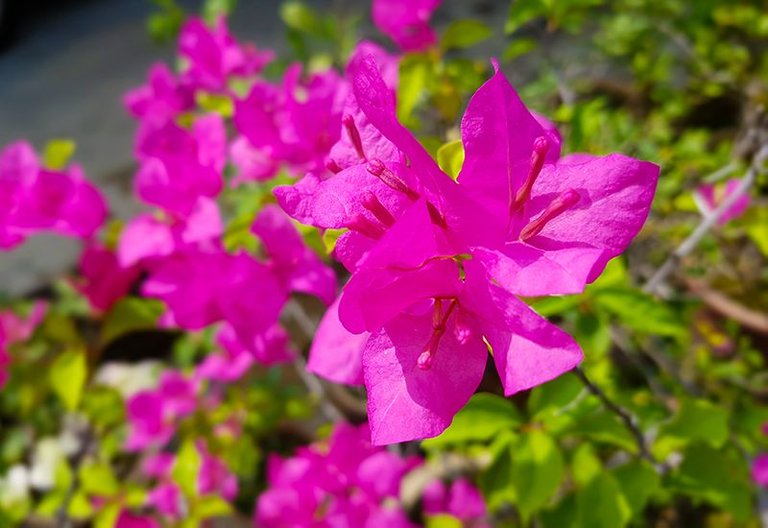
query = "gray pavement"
{"x": 65, "y": 78}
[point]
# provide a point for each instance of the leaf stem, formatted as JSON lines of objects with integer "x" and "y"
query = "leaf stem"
{"x": 625, "y": 417}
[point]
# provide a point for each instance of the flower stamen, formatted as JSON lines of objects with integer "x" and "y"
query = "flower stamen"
{"x": 354, "y": 135}
{"x": 390, "y": 179}
{"x": 373, "y": 204}
{"x": 565, "y": 200}
{"x": 365, "y": 226}
{"x": 540, "y": 148}
{"x": 439, "y": 321}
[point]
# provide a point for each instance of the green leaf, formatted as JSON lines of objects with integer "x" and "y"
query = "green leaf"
{"x": 495, "y": 483}
{"x": 605, "y": 427}
{"x": 443, "y": 520}
{"x": 464, "y": 34}
{"x": 537, "y": 469}
{"x": 300, "y": 17}
{"x": 553, "y": 396}
{"x": 80, "y": 507}
{"x": 107, "y": 516}
{"x": 601, "y": 504}
{"x": 67, "y": 376}
{"x": 415, "y": 73}
{"x": 518, "y": 48}
{"x": 97, "y": 478}
{"x": 585, "y": 464}
{"x": 640, "y": 311}
{"x": 696, "y": 420}
{"x": 58, "y": 152}
{"x": 484, "y": 417}
{"x": 131, "y": 314}
{"x": 450, "y": 158}
{"x": 219, "y": 104}
{"x": 712, "y": 476}
{"x": 210, "y": 506}
{"x": 186, "y": 468}
{"x": 638, "y": 482}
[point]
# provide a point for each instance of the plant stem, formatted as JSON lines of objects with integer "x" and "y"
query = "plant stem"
{"x": 625, "y": 417}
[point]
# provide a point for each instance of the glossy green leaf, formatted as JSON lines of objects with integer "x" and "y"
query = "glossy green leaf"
{"x": 131, "y": 314}
{"x": 67, "y": 376}
{"x": 450, "y": 158}
{"x": 696, "y": 420}
{"x": 58, "y": 152}
{"x": 464, "y": 34}
{"x": 537, "y": 469}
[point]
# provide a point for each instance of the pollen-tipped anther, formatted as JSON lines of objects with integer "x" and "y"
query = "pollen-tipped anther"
{"x": 540, "y": 148}
{"x": 354, "y": 135}
{"x": 565, "y": 200}
{"x": 371, "y": 202}
{"x": 390, "y": 179}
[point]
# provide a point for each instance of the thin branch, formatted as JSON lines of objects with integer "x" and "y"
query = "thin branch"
{"x": 707, "y": 222}
{"x": 724, "y": 305}
{"x": 625, "y": 417}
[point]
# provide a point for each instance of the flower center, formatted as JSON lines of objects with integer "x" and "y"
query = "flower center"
{"x": 439, "y": 320}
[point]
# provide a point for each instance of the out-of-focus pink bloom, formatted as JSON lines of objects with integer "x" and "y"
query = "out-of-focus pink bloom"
{"x": 162, "y": 98}
{"x": 294, "y": 124}
{"x": 129, "y": 520}
{"x": 35, "y": 199}
{"x": 153, "y": 414}
{"x": 460, "y": 499}
{"x": 760, "y": 470}
{"x": 296, "y": 265}
{"x": 178, "y": 166}
{"x": 214, "y": 477}
{"x": 252, "y": 164}
{"x": 15, "y": 329}
{"x": 710, "y": 196}
{"x": 213, "y": 56}
{"x": 104, "y": 281}
{"x": 149, "y": 236}
{"x": 406, "y": 22}
{"x": 347, "y": 482}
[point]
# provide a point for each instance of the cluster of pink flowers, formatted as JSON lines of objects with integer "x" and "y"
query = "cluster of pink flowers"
{"x": 34, "y": 198}
{"x": 437, "y": 265}
{"x": 346, "y": 481}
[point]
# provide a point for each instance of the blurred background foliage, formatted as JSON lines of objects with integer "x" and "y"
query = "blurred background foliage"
{"x": 660, "y": 426}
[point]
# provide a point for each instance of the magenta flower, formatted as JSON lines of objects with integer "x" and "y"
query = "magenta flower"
{"x": 294, "y": 124}
{"x": 162, "y": 98}
{"x": 436, "y": 265}
{"x": 214, "y": 56}
{"x": 710, "y": 196}
{"x": 35, "y": 199}
{"x": 406, "y": 22}
{"x": 153, "y": 414}
{"x": 460, "y": 499}
{"x": 347, "y": 482}
{"x": 16, "y": 329}
{"x": 104, "y": 281}
{"x": 178, "y": 166}
{"x": 149, "y": 236}
{"x": 760, "y": 470}
{"x": 127, "y": 519}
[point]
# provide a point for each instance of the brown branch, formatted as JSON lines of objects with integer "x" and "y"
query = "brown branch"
{"x": 724, "y": 305}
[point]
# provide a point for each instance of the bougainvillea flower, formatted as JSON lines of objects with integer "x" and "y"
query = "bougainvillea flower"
{"x": 127, "y": 519}
{"x": 461, "y": 499}
{"x": 16, "y": 329}
{"x": 178, "y": 166}
{"x": 431, "y": 325}
{"x": 710, "y": 196}
{"x": 440, "y": 266}
{"x": 252, "y": 164}
{"x": 336, "y": 353}
{"x": 35, "y": 199}
{"x": 294, "y": 124}
{"x": 214, "y": 56}
{"x": 406, "y": 22}
{"x": 347, "y": 482}
{"x": 149, "y": 236}
{"x": 760, "y": 470}
{"x": 153, "y": 414}
{"x": 104, "y": 281}
{"x": 162, "y": 98}
{"x": 297, "y": 267}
